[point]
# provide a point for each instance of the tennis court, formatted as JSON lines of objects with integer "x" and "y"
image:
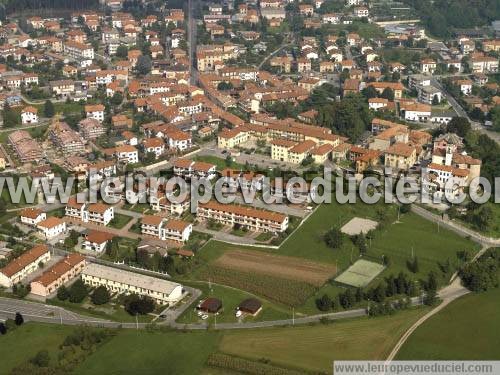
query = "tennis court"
{"x": 360, "y": 273}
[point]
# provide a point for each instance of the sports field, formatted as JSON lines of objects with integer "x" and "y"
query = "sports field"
{"x": 360, "y": 273}
{"x": 358, "y": 225}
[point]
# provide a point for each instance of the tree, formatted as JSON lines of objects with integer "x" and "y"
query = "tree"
{"x": 483, "y": 274}
{"x": 223, "y": 85}
{"x": 459, "y": 125}
{"x": 369, "y": 92}
{"x": 412, "y": 264}
{"x": 360, "y": 242}
{"x": 324, "y": 303}
{"x": 10, "y": 117}
{"x": 435, "y": 100}
{"x": 141, "y": 305}
{"x": 78, "y": 291}
{"x": 19, "y": 319}
{"x": 41, "y": 359}
{"x": 62, "y": 293}
{"x": 388, "y": 94}
{"x": 48, "y": 109}
{"x": 100, "y": 296}
{"x": 117, "y": 98}
{"x": 122, "y": 51}
{"x": 495, "y": 116}
{"x": 3, "y": 329}
{"x": 143, "y": 65}
{"x": 334, "y": 238}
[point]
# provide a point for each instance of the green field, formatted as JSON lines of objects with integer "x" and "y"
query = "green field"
{"x": 315, "y": 347}
{"x": 231, "y": 298}
{"x": 309, "y": 347}
{"x": 119, "y": 221}
{"x": 23, "y": 343}
{"x": 133, "y": 352}
{"x": 220, "y": 163}
{"x": 468, "y": 330}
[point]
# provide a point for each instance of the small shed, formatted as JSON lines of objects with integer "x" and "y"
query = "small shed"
{"x": 250, "y": 306}
{"x": 211, "y": 305}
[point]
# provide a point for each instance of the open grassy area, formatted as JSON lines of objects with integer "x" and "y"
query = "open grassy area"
{"x": 126, "y": 250}
{"x": 468, "y": 330}
{"x": 315, "y": 347}
{"x": 110, "y": 311}
{"x": 220, "y": 163}
{"x": 24, "y": 342}
{"x": 139, "y": 352}
{"x": 231, "y": 298}
{"x": 119, "y": 221}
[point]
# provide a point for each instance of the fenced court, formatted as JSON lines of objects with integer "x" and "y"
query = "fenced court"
{"x": 358, "y": 225}
{"x": 360, "y": 273}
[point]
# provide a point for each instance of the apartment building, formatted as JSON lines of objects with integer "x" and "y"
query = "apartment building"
{"x": 188, "y": 169}
{"x": 400, "y": 156}
{"x": 98, "y": 213}
{"x": 229, "y": 138}
{"x": 51, "y": 227}
{"x": 127, "y": 154}
{"x": 57, "y": 275}
{"x": 26, "y": 148}
{"x": 483, "y": 64}
{"x": 66, "y": 139}
{"x": 32, "y": 216}
{"x": 95, "y": 111}
{"x": 155, "y": 146}
{"x": 90, "y": 128}
{"x": 96, "y": 241}
{"x": 25, "y": 264}
{"x": 178, "y": 140}
{"x": 249, "y": 217}
{"x": 78, "y": 51}
{"x": 163, "y": 292}
{"x": 29, "y": 115}
{"x": 163, "y": 229}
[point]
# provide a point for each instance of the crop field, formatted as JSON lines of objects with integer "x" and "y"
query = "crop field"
{"x": 360, "y": 273}
{"x": 287, "y": 291}
{"x": 280, "y": 266}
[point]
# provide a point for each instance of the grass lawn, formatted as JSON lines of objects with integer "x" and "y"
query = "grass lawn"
{"x": 220, "y": 163}
{"x": 58, "y": 212}
{"x": 315, "y": 347}
{"x": 468, "y": 330}
{"x": 126, "y": 250}
{"x": 108, "y": 311}
{"x": 231, "y": 298}
{"x": 264, "y": 236}
{"x": 25, "y": 341}
{"x": 138, "y": 352}
{"x": 119, "y": 221}
{"x": 139, "y": 207}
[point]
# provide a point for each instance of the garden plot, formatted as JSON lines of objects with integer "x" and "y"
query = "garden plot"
{"x": 360, "y": 273}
